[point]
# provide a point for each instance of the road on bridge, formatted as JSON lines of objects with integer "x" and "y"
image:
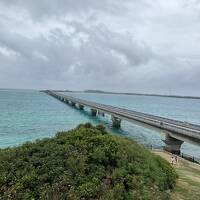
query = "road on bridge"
{"x": 173, "y": 128}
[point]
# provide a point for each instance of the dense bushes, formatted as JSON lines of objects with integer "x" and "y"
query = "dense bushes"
{"x": 84, "y": 163}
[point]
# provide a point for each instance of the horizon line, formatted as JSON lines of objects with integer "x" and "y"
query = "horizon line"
{"x": 110, "y": 92}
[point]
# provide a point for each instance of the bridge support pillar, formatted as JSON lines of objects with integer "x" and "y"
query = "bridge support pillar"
{"x": 66, "y": 101}
{"x": 93, "y": 112}
{"x": 172, "y": 145}
{"x": 73, "y": 103}
{"x": 81, "y": 107}
{"x": 101, "y": 113}
{"x": 116, "y": 122}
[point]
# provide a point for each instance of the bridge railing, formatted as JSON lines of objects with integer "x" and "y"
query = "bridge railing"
{"x": 182, "y": 155}
{"x": 192, "y": 131}
{"x": 185, "y": 124}
{"x": 190, "y": 158}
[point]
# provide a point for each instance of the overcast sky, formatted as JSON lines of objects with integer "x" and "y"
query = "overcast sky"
{"x": 145, "y": 46}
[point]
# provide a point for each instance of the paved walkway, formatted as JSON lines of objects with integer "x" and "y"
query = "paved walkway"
{"x": 188, "y": 184}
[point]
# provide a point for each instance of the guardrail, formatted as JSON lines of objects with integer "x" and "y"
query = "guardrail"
{"x": 190, "y": 158}
{"x": 182, "y": 155}
{"x": 183, "y": 128}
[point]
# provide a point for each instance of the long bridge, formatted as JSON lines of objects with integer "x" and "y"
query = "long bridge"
{"x": 175, "y": 132}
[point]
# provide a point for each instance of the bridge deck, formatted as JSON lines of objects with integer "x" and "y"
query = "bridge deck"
{"x": 174, "y": 126}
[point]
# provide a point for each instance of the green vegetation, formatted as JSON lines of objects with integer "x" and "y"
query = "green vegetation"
{"x": 188, "y": 183}
{"x": 84, "y": 163}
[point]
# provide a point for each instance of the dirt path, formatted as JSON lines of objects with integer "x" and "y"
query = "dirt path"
{"x": 188, "y": 184}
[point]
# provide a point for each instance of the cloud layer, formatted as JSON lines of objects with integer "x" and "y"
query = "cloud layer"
{"x": 145, "y": 46}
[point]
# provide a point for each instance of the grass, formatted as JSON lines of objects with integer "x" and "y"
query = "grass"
{"x": 188, "y": 184}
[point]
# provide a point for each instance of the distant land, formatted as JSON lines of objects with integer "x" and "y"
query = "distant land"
{"x": 141, "y": 94}
{"x": 108, "y": 92}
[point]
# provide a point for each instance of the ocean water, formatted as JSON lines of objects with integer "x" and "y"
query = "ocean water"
{"x": 27, "y": 115}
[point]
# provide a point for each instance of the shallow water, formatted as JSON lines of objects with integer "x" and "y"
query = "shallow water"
{"x": 29, "y": 115}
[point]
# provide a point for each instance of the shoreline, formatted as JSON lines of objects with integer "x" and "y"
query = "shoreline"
{"x": 188, "y": 183}
{"x": 107, "y": 92}
{"x": 140, "y": 94}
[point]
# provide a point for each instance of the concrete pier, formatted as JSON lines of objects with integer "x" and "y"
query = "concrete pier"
{"x": 101, "y": 113}
{"x": 81, "y": 107}
{"x": 73, "y": 103}
{"x": 116, "y": 122}
{"x": 176, "y": 131}
{"x": 172, "y": 145}
{"x": 93, "y": 112}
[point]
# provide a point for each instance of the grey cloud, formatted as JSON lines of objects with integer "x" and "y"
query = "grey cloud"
{"x": 58, "y": 54}
{"x": 45, "y": 8}
{"x": 71, "y": 44}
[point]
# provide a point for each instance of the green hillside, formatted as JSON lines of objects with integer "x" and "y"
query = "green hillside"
{"x": 84, "y": 163}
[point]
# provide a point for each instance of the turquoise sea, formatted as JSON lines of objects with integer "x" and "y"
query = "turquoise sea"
{"x": 27, "y": 115}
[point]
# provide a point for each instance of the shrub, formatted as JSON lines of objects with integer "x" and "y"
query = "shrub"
{"x": 84, "y": 163}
